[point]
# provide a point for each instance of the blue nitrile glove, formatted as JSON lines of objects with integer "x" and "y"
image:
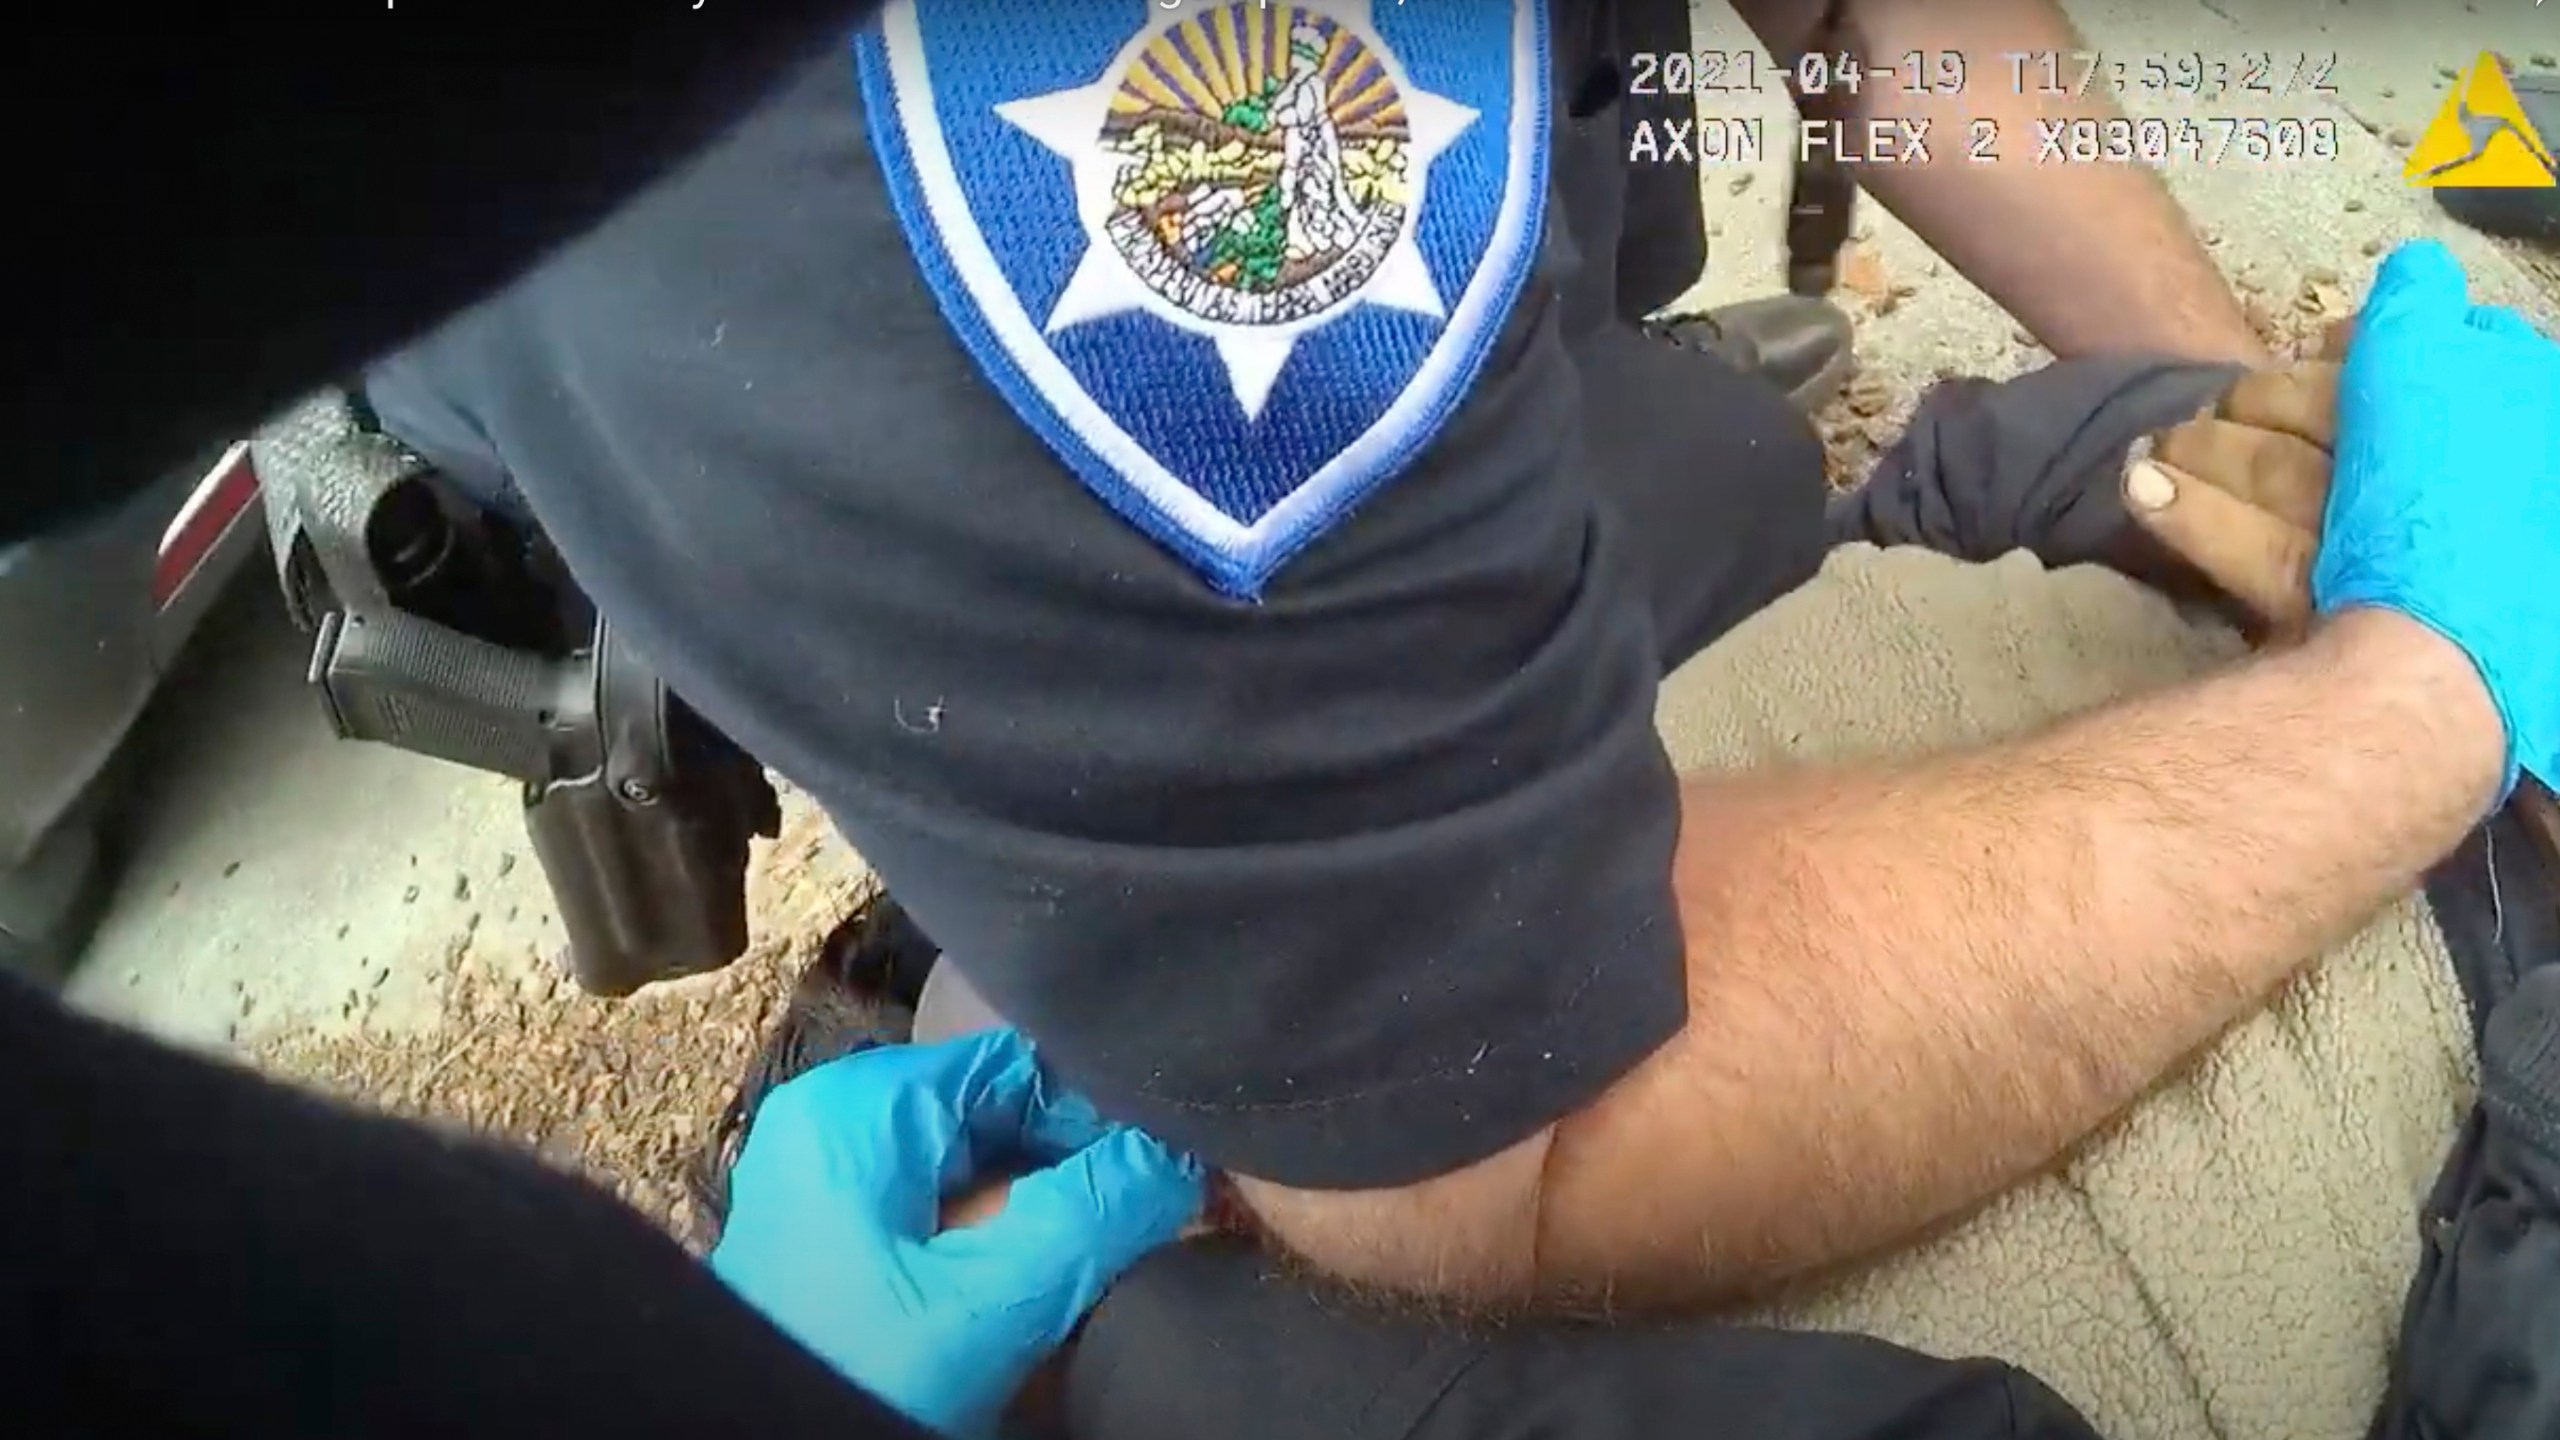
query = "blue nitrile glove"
{"x": 833, "y": 1201}
{"x": 2444, "y": 502}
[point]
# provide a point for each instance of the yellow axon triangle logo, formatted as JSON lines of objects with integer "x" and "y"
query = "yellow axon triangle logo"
{"x": 2481, "y": 137}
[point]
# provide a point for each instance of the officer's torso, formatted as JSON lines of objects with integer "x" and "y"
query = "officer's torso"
{"x": 740, "y": 413}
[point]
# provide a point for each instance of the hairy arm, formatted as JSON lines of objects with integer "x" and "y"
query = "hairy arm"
{"x": 1913, "y": 985}
{"x": 2111, "y": 263}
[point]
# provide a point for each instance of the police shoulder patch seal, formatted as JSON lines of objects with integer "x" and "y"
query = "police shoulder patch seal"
{"x": 1236, "y": 261}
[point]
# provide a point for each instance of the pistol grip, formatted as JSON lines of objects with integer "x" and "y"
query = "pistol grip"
{"x": 417, "y": 685}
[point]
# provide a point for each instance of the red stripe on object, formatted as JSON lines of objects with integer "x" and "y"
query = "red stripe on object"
{"x": 219, "y": 499}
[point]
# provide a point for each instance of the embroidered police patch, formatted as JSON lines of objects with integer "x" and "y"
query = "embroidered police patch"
{"x": 1235, "y": 262}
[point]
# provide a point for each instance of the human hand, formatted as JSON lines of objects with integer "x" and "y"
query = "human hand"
{"x": 2236, "y": 495}
{"x": 836, "y": 1198}
{"x": 2444, "y": 502}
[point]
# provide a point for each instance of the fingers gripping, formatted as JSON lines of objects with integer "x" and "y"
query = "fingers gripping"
{"x": 2300, "y": 400}
{"x": 2280, "y": 473}
{"x": 2240, "y": 493}
{"x": 2253, "y": 555}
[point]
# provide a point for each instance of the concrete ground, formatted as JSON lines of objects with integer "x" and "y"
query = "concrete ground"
{"x": 2274, "y": 227}
{"x": 282, "y": 881}
{"x": 279, "y": 878}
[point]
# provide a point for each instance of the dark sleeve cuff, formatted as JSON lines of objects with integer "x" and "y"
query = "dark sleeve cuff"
{"x": 2031, "y": 463}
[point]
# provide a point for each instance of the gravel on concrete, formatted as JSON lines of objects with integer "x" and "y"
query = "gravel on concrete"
{"x": 625, "y": 1091}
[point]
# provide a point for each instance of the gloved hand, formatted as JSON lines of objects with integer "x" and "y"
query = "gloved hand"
{"x": 833, "y": 1212}
{"x": 2444, "y": 501}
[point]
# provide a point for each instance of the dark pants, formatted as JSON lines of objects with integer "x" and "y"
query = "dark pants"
{"x": 1206, "y": 1341}
{"x": 2479, "y": 1353}
{"x": 1715, "y": 479}
{"x": 1660, "y": 249}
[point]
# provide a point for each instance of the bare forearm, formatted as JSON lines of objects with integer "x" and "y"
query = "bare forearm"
{"x": 1911, "y": 987}
{"x": 2113, "y": 264}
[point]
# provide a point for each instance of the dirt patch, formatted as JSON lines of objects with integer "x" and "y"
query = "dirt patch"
{"x": 1869, "y": 412}
{"x": 1859, "y": 423}
{"x": 624, "y": 1091}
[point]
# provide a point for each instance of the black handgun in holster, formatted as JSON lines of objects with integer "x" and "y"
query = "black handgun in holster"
{"x": 447, "y": 629}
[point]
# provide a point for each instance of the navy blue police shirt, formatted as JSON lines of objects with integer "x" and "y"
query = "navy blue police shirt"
{"x": 1343, "y": 882}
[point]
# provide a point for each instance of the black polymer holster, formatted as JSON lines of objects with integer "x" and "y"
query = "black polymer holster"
{"x": 448, "y": 630}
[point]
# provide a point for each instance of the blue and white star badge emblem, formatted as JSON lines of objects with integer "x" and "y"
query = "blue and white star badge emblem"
{"x": 1235, "y": 262}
